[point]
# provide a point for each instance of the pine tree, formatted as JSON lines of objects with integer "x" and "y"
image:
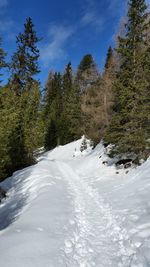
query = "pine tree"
{"x": 51, "y": 135}
{"x": 108, "y": 79}
{"x": 30, "y": 102}
{"x": 71, "y": 116}
{"x": 87, "y": 73}
{"x": 18, "y": 157}
{"x": 53, "y": 111}
{"x": 19, "y": 105}
{"x": 24, "y": 64}
{"x": 12, "y": 151}
{"x": 109, "y": 59}
{"x": 128, "y": 130}
{"x": 26, "y": 90}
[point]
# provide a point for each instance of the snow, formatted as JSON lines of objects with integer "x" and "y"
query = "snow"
{"x": 71, "y": 210}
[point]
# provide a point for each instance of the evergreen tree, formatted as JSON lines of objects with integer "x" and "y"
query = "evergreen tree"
{"x": 12, "y": 151}
{"x": 87, "y": 73}
{"x": 53, "y": 111}
{"x": 24, "y": 64}
{"x": 2, "y": 58}
{"x": 109, "y": 59}
{"x": 62, "y": 109}
{"x": 128, "y": 130}
{"x": 108, "y": 79}
{"x": 18, "y": 157}
{"x": 19, "y": 106}
{"x": 71, "y": 116}
{"x": 26, "y": 92}
{"x": 51, "y": 135}
{"x": 86, "y": 63}
{"x": 30, "y": 106}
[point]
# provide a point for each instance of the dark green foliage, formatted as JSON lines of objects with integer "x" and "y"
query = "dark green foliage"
{"x": 51, "y": 135}
{"x": 53, "y": 110}
{"x": 86, "y": 63}
{"x": 62, "y": 108}
{"x": 16, "y": 148}
{"x": 80, "y": 104}
{"x": 71, "y": 106}
{"x": 2, "y": 58}
{"x": 129, "y": 128}
{"x": 21, "y": 124}
{"x": 87, "y": 73}
{"x": 11, "y": 141}
{"x": 24, "y": 64}
{"x": 109, "y": 59}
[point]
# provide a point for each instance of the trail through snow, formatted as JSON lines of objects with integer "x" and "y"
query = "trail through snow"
{"x": 70, "y": 210}
{"x": 98, "y": 239}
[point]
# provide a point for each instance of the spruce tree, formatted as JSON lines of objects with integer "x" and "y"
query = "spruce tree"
{"x": 12, "y": 150}
{"x": 53, "y": 111}
{"x": 24, "y": 64}
{"x": 30, "y": 101}
{"x": 108, "y": 79}
{"x": 26, "y": 89}
{"x": 51, "y": 135}
{"x": 128, "y": 130}
{"x": 71, "y": 116}
{"x": 109, "y": 59}
{"x": 87, "y": 73}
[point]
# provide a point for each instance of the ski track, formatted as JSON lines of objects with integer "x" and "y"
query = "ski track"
{"x": 97, "y": 238}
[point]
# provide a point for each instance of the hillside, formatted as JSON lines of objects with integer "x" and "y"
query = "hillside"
{"x": 72, "y": 210}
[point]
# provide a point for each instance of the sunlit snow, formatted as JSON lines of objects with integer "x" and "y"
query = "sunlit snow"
{"x": 71, "y": 210}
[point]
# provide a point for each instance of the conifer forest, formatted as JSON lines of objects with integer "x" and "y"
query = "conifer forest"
{"x": 113, "y": 105}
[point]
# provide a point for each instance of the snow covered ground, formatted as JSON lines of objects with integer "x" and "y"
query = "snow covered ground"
{"x": 71, "y": 210}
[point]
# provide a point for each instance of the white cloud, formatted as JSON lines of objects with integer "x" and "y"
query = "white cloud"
{"x": 55, "y": 49}
{"x": 3, "y": 3}
{"x": 91, "y": 18}
{"x": 92, "y": 14}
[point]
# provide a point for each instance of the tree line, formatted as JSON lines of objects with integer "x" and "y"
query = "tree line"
{"x": 113, "y": 105}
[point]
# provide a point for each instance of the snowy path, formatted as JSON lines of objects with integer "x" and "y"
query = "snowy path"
{"x": 98, "y": 239}
{"x": 71, "y": 211}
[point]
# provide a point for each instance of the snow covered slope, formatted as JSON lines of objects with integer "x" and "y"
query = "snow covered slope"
{"x": 71, "y": 210}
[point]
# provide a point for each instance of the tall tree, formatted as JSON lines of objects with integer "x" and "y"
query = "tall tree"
{"x": 108, "y": 79}
{"x": 12, "y": 150}
{"x": 87, "y": 73}
{"x": 53, "y": 110}
{"x": 26, "y": 88}
{"x": 128, "y": 130}
{"x": 2, "y": 58}
{"x": 71, "y": 106}
{"x": 25, "y": 60}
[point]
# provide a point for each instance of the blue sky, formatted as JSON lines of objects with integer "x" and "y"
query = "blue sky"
{"x": 69, "y": 29}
